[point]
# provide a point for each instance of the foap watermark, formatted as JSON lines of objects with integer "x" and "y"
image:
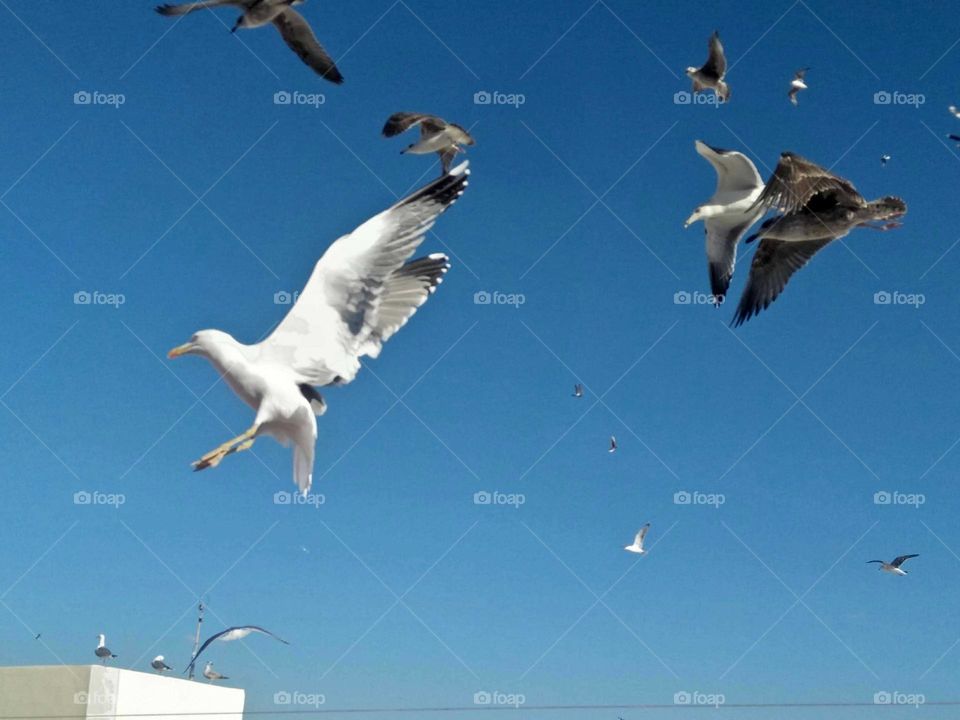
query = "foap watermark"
{"x": 514, "y": 500}
{"x": 914, "y": 300}
{"x": 486, "y": 97}
{"x": 85, "y": 297}
{"x": 86, "y": 497}
{"x": 95, "y": 97}
{"x": 695, "y": 497}
{"x": 682, "y": 297}
{"x": 295, "y": 697}
{"x": 885, "y": 497}
{"x": 696, "y": 697}
{"x": 295, "y": 97}
{"x": 885, "y": 697}
{"x": 93, "y": 698}
{"x": 514, "y": 700}
{"x": 282, "y": 297}
{"x": 483, "y": 297}
{"x": 685, "y": 97}
{"x": 886, "y": 97}
{"x": 282, "y": 497}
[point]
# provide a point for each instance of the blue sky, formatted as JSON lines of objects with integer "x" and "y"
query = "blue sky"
{"x": 199, "y": 198}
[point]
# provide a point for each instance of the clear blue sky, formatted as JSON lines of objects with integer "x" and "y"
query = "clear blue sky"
{"x": 797, "y": 418}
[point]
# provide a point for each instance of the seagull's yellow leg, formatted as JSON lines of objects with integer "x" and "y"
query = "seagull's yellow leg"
{"x": 242, "y": 442}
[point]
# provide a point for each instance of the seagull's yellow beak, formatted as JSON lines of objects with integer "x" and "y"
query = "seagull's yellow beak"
{"x": 180, "y": 350}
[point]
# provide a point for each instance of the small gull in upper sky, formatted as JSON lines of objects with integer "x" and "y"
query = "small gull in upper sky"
{"x": 210, "y": 674}
{"x": 102, "y": 651}
{"x": 294, "y": 29}
{"x": 711, "y": 75}
{"x": 361, "y": 292}
{"x": 894, "y": 565}
{"x": 637, "y": 546}
{"x": 613, "y": 444}
{"x": 818, "y": 207}
{"x": 884, "y": 159}
{"x": 728, "y": 214}
{"x": 796, "y": 85}
{"x": 436, "y": 135}
{"x": 578, "y": 390}
{"x": 159, "y": 665}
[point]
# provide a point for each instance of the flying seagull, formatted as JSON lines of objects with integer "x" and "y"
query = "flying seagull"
{"x": 894, "y": 567}
{"x": 613, "y": 444}
{"x": 102, "y": 651}
{"x": 294, "y": 29}
{"x": 954, "y": 111}
{"x": 436, "y": 135}
{"x": 230, "y": 634}
{"x": 578, "y": 390}
{"x": 818, "y": 207}
{"x": 728, "y": 214}
{"x": 159, "y": 665}
{"x": 360, "y": 293}
{"x": 711, "y": 75}
{"x": 796, "y": 85}
{"x": 637, "y": 546}
{"x": 210, "y": 674}
{"x": 884, "y": 159}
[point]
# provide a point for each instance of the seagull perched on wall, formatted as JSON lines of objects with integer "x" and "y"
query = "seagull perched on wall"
{"x": 212, "y": 675}
{"x": 159, "y": 665}
{"x": 293, "y": 28}
{"x": 237, "y": 632}
{"x": 894, "y": 565}
{"x": 728, "y": 214}
{"x": 102, "y": 651}
{"x": 818, "y": 207}
{"x": 436, "y": 135}
{"x": 796, "y": 85}
{"x": 361, "y": 291}
{"x": 711, "y": 75}
{"x": 637, "y": 546}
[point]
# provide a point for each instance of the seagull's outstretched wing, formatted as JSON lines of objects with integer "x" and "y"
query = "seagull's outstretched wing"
{"x": 641, "y": 534}
{"x": 796, "y": 180}
{"x": 171, "y": 10}
{"x": 898, "y": 561}
{"x": 773, "y": 264}
{"x": 360, "y": 291}
{"x": 716, "y": 65}
{"x": 232, "y": 633}
{"x": 735, "y": 171}
{"x": 955, "y": 138}
{"x": 298, "y": 36}
{"x": 402, "y": 121}
{"x": 723, "y": 236}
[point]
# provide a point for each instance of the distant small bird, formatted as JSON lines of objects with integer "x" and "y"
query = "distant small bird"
{"x": 954, "y": 111}
{"x": 436, "y": 135}
{"x": 796, "y": 85}
{"x": 159, "y": 665}
{"x": 637, "y": 546}
{"x": 294, "y": 29}
{"x": 613, "y": 444}
{"x": 578, "y": 390}
{"x": 210, "y": 674}
{"x": 884, "y": 159}
{"x": 711, "y": 75}
{"x": 37, "y": 636}
{"x": 102, "y": 651}
{"x": 894, "y": 567}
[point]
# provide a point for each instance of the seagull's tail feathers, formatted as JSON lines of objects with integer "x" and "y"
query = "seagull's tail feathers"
{"x": 723, "y": 91}
{"x": 403, "y": 292}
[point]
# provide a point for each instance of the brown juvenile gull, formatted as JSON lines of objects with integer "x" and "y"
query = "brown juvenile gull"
{"x": 796, "y": 85}
{"x": 362, "y": 290}
{"x": 728, "y": 214}
{"x": 711, "y": 75}
{"x": 436, "y": 135}
{"x": 818, "y": 207}
{"x": 294, "y": 29}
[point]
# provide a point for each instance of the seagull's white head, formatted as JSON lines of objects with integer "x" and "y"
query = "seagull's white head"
{"x": 210, "y": 344}
{"x": 691, "y": 71}
{"x": 101, "y": 640}
{"x": 158, "y": 658}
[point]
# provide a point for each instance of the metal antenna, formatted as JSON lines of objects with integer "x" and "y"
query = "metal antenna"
{"x": 196, "y": 637}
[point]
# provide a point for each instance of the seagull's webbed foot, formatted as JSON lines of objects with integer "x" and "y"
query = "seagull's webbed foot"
{"x": 237, "y": 444}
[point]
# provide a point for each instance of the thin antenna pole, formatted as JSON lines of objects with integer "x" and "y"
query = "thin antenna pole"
{"x": 196, "y": 637}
